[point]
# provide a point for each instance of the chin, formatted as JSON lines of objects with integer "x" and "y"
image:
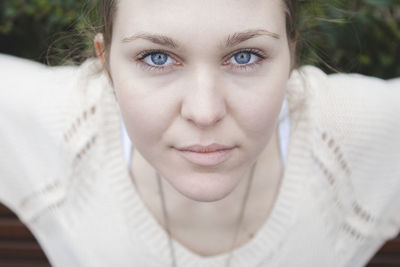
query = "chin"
{"x": 206, "y": 187}
{"x": 206, "y": 196}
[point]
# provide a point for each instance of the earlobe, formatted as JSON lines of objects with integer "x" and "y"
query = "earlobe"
{"x": 99, "y": 46}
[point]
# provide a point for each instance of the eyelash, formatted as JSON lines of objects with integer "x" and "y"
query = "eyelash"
{"x": 261, "y": 56}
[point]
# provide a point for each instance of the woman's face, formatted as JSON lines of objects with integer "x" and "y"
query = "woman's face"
{"x": 189, "y": 74}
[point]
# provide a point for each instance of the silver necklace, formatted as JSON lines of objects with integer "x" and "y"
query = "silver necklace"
{"x": 238, "y": 225}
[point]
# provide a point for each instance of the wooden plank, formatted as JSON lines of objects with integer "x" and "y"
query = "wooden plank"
{"x": 14, "y": 229}
{"x": 6, "y": 263}
{"x": 17, "y": 250}
{"x": 388, "y": 255}
{"x": 6, "y": 212}
{"x": 392, "y": 246}
{"x": 380, "y": 264}
{"x": 385, "y": 261}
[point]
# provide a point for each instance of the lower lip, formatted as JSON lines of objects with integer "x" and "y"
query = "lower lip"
{"x": 207, "y": 159}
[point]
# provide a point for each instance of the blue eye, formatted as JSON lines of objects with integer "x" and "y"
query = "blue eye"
{"x": 243, "y": 57}
{"x": 246, "y": 58}
{"x": 159, "y": 58}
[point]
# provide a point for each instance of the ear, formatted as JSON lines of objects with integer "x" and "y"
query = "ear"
{"x": 99, "y": 46}
{"x": 100, "y": 50}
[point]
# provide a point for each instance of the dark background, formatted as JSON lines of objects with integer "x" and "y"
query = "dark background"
{"x": 336, "y": 35}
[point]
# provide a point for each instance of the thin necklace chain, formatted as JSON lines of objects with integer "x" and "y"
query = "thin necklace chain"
{"x": 238, "y": 225}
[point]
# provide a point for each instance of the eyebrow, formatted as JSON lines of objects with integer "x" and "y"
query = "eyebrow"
{"x": 240, "y": 37}
{"x": 232, "y": 40}
{"x": 154, "y": 38}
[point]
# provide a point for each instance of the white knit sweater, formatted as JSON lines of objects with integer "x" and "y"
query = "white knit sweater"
{"x": 62, "y": 171}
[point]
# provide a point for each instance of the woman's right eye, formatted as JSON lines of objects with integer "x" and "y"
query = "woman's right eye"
{"x": 156, "y": 59}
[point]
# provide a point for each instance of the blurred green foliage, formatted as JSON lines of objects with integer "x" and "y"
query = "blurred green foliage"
{"x": 45, "y": 30}
{"x": 346, "y": 35}
{"x": 352, "y": 36}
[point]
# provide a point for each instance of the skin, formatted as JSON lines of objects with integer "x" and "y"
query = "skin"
{"x": 202, "y": 96}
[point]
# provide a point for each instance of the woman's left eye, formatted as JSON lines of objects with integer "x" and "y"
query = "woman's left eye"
{"x": 244, "y": 58}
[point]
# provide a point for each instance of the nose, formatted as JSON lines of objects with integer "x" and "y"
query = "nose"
{"x": 203, "y": 103}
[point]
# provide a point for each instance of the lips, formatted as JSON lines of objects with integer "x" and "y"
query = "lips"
{"x": 210, "y": 155}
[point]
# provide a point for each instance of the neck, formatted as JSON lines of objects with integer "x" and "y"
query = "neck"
{"x": 195, "y": 224}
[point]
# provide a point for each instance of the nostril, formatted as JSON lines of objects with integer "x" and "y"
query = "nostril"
{"x": 206, "y": 121}
{"x": 204, "y": 115}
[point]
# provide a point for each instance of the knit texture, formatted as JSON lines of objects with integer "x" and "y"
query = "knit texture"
{"x": 62, "y": 171}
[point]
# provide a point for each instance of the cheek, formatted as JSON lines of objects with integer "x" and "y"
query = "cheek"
{"x": 258, "y": 117}
{"x": 147, "y": 114}
{"x": 258, "y": 106}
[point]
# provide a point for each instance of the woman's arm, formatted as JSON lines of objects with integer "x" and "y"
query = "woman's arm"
{"x": 369, "y": 117}
{"x": 30, "y": 122}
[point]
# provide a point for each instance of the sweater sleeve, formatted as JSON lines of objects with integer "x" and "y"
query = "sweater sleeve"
{"x": 369, "y": 115}
{"x": 395, "y": 205}
{"x": 30, "y": 125}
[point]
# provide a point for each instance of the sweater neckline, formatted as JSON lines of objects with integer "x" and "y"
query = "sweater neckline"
{"x": 143, "y": 225}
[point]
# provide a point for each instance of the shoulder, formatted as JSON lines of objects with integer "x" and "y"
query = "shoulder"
{"x": 35, "y": 85}
{"x": 352, "y": 100}
{"x": 31, "y": 92}
{"x": 345, "y": 84}
{"x": 23, "y": 79}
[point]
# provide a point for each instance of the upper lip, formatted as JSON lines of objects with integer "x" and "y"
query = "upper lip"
{"x": 204, "y": 149}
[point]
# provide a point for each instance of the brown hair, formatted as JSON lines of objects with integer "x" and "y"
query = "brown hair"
{"x": 109, "y": 7}
{"x": 107, "y": 14}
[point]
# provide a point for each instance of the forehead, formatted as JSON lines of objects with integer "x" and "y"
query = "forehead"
{"x": 200, "y": 20}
